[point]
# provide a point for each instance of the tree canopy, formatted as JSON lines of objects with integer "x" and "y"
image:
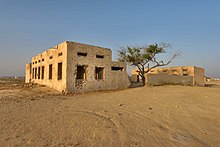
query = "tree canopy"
{"x": 145, "y": 58}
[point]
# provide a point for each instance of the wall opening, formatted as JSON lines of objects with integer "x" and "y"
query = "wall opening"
{"x": 100, "y": 56}
{"x": 117, "y": 68}
{"x": 185, "y": 74}
{"x": 42, "y": 73}
{"x": 38, "y": 73}
{"x": 59, "y": 76}
{"x": 81, "y": 54}
{"x": 35, "y": 73}
{"x": 99, "y": 73}
{"x": 50, "y": 71}
{"x": 81, "y": 72}
{"x": 60, "y": 54}
{"x": 138, "y": 79}
{"x": 51, "y": 57}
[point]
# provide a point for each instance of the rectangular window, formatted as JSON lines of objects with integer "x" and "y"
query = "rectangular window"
{"x": 99, "y": 73}
{"x": 30, "y": 68}
{"x": 43, "y": 60}
{"x": 42, "y": 73}
{"x": 60, "y": 54}
{"x": 99, "y": 56}
{"x": 81, "y": 54}
{"x": 81, "y": 72}
{"x": 35, "y": 74}
{"x": 51, "y": 57}
{"x": 50, "y": 71}
{"x": 59, "y": 76}
{"x": 38, "y": 73}
{"x": 35, "y": 62}
{"x": 117, "y": 68}
{"x": 38, "y": 61}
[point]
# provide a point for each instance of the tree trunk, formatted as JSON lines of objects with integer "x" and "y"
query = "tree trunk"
{"x": 143, "y": 80}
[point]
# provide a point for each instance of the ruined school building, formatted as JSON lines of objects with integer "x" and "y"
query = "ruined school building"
{"x": 71, "y": 67}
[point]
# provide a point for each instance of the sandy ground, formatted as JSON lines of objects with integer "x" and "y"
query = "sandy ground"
{"x": 145, "y": 116}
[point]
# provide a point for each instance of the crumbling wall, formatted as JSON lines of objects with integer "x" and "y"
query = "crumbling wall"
{"x": 28, "y": 73}
{"x": 199, "y": 76}
{"x": 53, "y": 56}
{"x": 165, "y": 79}
{"x": 93, "y": 57}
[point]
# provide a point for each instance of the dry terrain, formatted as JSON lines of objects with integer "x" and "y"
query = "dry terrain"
{"x": 33, "y": 115}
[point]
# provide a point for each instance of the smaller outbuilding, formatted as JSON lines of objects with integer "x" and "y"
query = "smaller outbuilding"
{"x": 180, "y": 75}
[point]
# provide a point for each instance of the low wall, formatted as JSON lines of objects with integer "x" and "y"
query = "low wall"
{"x": 165, "y": 79}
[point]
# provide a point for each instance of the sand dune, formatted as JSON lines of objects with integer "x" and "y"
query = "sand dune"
{"x": 146, "y": 116}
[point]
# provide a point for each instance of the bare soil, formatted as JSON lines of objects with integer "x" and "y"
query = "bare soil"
{"x": 34, "y": 115}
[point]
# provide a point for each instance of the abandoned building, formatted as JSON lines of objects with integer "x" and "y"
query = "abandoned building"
{"x": 180, "y": 75}
{"x": 72, "y": 67}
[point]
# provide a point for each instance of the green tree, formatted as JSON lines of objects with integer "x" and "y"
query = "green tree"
{"x": 145, "y": 58}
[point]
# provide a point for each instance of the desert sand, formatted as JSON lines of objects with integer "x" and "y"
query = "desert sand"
{"x": 33, "y": 115}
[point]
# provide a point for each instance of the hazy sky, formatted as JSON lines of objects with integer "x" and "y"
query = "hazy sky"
{"x": 28, "y": 27}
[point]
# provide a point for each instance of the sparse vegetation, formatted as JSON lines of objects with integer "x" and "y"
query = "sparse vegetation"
{"x": 145, "y": 57}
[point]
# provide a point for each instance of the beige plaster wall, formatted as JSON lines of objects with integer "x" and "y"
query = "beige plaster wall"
{"x": 165, "y": 79}
{"x": 28, "y": 73}
{"x": 60, "y": 85}
{"x": 196, "y": 72}
{"x": 91, "y": 84}
{"x": 70, "y": 60}
{"x": 199, "y": 76}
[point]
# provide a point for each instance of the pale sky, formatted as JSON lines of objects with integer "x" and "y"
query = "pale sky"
{"x": 29, "y": 27}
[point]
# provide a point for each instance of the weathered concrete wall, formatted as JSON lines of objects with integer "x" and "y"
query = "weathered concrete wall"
{"x": 120, "y": 79}
{"x": 196, "y": 72}
{"x": 52, "y": 56}
{"x": 199, "y": 76}
{"x": 91, "y": 62}
{"x": 28, "y": 73}
{"x": 165, "y": 79}
{"x": 71, "y": 55}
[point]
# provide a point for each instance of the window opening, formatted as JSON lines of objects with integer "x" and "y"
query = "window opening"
{"x": 99, "y": 56}
{"x": 59, "y": 77}
{"x": 38, "y": 73}
{"x": 50, "y": 71}
{"x": 81, "y": 72}
{"x": 82, "y": 54}
{"x": 117, "y": 68}
{"x": 35, "y": 74}
{"x": 60, "y": 54}
{"x": 42, "y": 73}
{"x": 99, "y": 73}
